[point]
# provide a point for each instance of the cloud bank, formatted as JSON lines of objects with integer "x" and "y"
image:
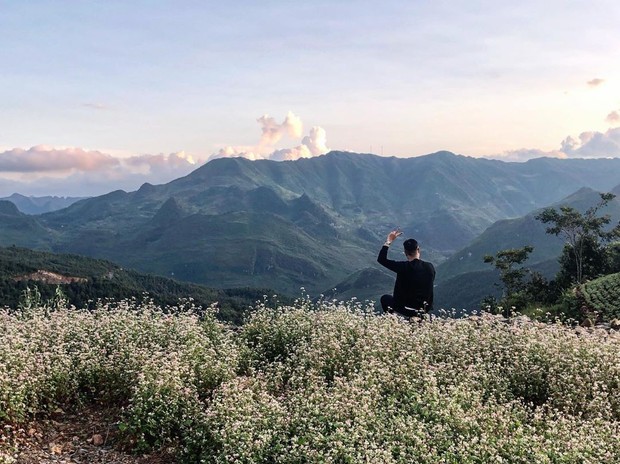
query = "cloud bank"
{"x": 44, "y": 170}
{"x": 587, "y": 145}
{"x": 42, "y": 158}
{"x": 72, "y": 171}
{"x": 313, "y": 144}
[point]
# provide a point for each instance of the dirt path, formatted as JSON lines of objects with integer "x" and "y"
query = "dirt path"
{"x": 88, "y": 437}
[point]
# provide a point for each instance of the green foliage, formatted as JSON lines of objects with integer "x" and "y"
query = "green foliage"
{"x": 519, "y": 294}
{"x": 595, "y": 261}
{"x": 324, "y": 382}
{"x": 32, "y": 302}
{"x": 601, "y": 297}
{"x": 106, "y": 280}
{"x": 584, "y": 233}
{"x": 511, "y": 276}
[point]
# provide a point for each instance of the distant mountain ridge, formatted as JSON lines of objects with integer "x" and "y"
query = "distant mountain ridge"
{"x": 307, "y": 223}
{"x": 40, "y": 205}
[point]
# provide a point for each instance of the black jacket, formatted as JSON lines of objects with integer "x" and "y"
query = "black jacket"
{"x": 414, "y": 281}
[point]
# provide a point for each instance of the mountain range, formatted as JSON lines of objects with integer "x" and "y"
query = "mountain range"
{"x": 39, "y": 205}
{"x": 315, "y": 223}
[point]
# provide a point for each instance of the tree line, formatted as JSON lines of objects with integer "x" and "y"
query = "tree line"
{"x": 107, "y": 281}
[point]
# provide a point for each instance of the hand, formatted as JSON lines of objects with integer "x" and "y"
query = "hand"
{"x": 392, "y": 235}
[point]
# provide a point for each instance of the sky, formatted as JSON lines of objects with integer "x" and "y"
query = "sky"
{"x": 101, "y": 95}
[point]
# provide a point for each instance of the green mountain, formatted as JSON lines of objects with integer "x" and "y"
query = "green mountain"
{"x": 21, "y": 229}
{"x": 85, "y": 280}
{"x": 366, "y": 284}
{"x": 465, "y": 292}
{"x": 307, "y": 223}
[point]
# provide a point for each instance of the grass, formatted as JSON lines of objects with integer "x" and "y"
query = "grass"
{"x": 321, "y": 382}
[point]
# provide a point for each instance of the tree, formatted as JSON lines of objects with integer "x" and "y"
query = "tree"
{"x": 511, "y": 276}
{"x": 595, "y": 261}
{"x": 581, "y": 231}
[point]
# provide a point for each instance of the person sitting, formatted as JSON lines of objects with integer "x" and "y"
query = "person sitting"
{"x": 413, "y": 289}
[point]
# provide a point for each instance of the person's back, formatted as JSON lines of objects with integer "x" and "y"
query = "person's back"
{"x": 413, "y": 289}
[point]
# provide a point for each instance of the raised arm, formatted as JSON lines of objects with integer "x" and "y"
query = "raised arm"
{"x": 383, "y": 259}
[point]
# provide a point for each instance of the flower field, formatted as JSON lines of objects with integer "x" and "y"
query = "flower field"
{"x": 321, "y": 382}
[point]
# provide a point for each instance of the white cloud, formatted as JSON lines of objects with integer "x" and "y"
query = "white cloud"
{"x": 273, "y": 132}
{"x": 313, "y": 144}
{"x": 155, "y": 162}
{"x": 593, "y": 144}
{"x": 42, "y": 158}
{"x": 316, "y": 141}
{"x": 232, "y": 152}
{"x": 613, "y": 117}
{"x": 588, "y": 145}
{"x": 44, "y": 170}
{"x": 595, "y": 82}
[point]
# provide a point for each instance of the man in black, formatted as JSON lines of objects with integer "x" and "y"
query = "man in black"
{"x": 413, "y": 290}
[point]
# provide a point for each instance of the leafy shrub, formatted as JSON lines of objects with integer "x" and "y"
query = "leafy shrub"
{"x": 602, "y": 296}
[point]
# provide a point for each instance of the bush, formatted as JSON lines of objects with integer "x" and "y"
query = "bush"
{"x": 602, "y": 297}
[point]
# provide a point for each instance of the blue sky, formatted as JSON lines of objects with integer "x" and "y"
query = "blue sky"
{"x": 102, "y": 95}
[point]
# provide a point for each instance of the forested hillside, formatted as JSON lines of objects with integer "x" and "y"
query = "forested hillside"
{"x": 83, "y": 281}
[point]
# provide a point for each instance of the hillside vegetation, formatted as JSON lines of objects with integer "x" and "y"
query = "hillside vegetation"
{"x": 81, "y": 281}
{"x": 324, "y": 382}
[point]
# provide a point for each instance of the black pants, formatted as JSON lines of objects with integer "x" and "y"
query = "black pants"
{"x": 389, "y": 306}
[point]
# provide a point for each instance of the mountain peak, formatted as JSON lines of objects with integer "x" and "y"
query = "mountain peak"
{"x": 444, "y": 154}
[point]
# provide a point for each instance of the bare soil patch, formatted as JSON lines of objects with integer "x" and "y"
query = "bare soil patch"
{"x": 49, "y": 277}
{"x": 88, "y": 436}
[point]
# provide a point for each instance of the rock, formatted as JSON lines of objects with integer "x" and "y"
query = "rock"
{"x": 615, "y": 324}
{"x": 97, "y": 439}
{"x": 55, "y": 449}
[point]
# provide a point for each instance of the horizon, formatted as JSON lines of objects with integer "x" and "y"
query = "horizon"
{"x": 331, "y": 152}
{"x": 100, "y": 97}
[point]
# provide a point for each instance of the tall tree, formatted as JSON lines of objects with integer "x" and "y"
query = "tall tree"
{"x": 581, "y": 231}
